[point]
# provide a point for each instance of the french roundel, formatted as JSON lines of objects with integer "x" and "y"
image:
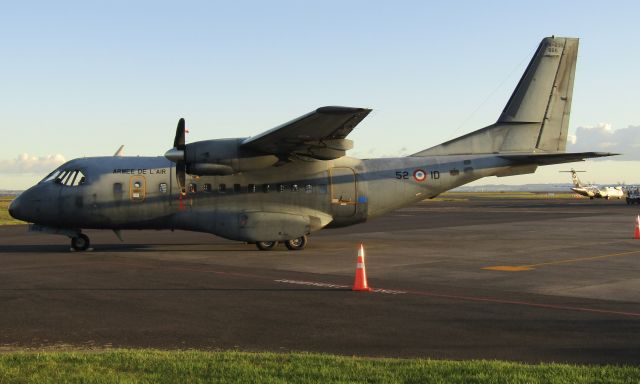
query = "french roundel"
{"x": 419, "y": 175}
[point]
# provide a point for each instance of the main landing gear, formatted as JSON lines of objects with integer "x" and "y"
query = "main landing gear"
{"x": 293, "y": 245}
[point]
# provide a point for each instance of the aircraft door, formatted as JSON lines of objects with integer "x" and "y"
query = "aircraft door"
{"x": 343, "y": 191}
{"x": 137, "y": 189}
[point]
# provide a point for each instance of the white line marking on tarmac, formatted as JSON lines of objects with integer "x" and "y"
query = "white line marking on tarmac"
{"x": 336, "y": 286}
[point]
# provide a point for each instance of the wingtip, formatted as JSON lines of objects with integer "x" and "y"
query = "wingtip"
{"x": 338, "y": 110}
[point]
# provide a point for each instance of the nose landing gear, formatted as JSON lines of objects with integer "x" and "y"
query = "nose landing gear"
{"x": 80, "y": 242}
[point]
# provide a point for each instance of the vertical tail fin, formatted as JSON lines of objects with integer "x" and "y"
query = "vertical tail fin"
{"x": 536, "y": 117}
{"x": 543, "y": 95}
{"x": 574, "y": 178}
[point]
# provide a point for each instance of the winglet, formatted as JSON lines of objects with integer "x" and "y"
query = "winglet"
{"x": 120, "y": 151}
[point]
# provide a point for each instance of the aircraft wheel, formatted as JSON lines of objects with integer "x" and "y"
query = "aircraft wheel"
{"x": 266, "y": 245}
{"x": 296, "y": 244}
{"x": 80, "y": 242}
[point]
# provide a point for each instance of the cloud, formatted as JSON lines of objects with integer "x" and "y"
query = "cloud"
{"x": 29, "y": 164}
{"x": 603, "y": 138}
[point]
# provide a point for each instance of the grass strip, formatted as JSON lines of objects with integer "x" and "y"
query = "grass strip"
{"x": 155, "y": 366}
{"x": 5, "y": 218}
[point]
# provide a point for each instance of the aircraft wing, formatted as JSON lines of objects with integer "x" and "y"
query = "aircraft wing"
{"x": 320, "y": 134}
{"x": 554, "y": 158}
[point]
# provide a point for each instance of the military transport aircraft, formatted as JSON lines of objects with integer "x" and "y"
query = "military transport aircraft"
{"x": 285, "y": 183}
{"x": 594, "y": 191}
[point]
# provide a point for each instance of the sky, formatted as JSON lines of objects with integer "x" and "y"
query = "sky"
{"x": 81, "y": 78}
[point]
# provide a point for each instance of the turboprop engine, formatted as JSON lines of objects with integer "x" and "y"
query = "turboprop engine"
{"x": 223, "y": 157}
{"x": 213, "y": 157}
{"x": 228, "y": 156}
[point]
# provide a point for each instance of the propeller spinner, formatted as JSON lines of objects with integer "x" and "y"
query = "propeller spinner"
{"x": 177, "y": 155}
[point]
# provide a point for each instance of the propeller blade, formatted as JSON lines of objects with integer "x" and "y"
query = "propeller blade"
{"x": 181, "y": 175}
{"x": 177, "y": 155}
{"x": 178, "y": 142}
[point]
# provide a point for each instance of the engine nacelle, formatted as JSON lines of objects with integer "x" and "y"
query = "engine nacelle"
{"x": 223, "y": 157}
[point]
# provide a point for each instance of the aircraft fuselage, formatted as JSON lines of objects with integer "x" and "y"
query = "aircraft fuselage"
{"x": 142, "y": 193}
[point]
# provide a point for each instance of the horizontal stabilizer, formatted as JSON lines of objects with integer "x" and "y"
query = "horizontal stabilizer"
{"x": 554, "y": 158}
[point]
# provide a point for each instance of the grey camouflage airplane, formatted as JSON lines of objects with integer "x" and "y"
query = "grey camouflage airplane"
{"x": 295, "y": 179}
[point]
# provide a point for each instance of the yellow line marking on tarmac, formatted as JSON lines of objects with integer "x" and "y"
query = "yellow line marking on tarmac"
{"x": 518, "y": 268}
{"x": 508, "y": 268}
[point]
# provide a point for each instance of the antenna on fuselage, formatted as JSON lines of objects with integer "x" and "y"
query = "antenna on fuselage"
{"x": 120, "y": 151}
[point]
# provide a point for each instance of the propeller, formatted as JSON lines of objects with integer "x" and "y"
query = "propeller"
{"x": 177, "y": 155}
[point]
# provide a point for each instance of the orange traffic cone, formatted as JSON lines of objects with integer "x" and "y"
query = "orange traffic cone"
{"x": 361, "y": 273}
{"x": 636, "y": 234}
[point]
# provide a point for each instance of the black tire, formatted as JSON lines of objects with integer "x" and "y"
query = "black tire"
{"x": 80, "y": 242}
{"x": 296, "y": 244}
{"x": 266, "y": 245}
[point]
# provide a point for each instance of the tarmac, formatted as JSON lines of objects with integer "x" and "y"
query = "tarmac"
{"x": 521, "y": 280}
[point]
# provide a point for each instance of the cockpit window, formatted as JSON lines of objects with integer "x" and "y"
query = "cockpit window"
{"x": 61, "y": 176}
{"x": 69, "y": 178}
{"x": 51, "y": 176}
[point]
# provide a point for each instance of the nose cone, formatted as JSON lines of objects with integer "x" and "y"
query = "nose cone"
{"x": 14, "y": 208}
{"x": 175, "y": 155}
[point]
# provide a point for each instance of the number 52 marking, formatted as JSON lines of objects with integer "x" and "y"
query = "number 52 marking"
{"x": 402, "y": 175}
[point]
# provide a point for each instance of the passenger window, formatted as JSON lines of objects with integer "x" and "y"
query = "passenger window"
{"x": 266, "y": 188}
{"x": 193, "y": 188}
{"x": 206, "y": 187}
{"x": 222, "y": 188}
{"x": 308, "y": 188}
{"x": 237, "y": 188}
{"x": 294, "y": 187}
{"x": 163, "y": 188}
{"x": 282, "y": 187}
{"x": 251, "y": 188}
